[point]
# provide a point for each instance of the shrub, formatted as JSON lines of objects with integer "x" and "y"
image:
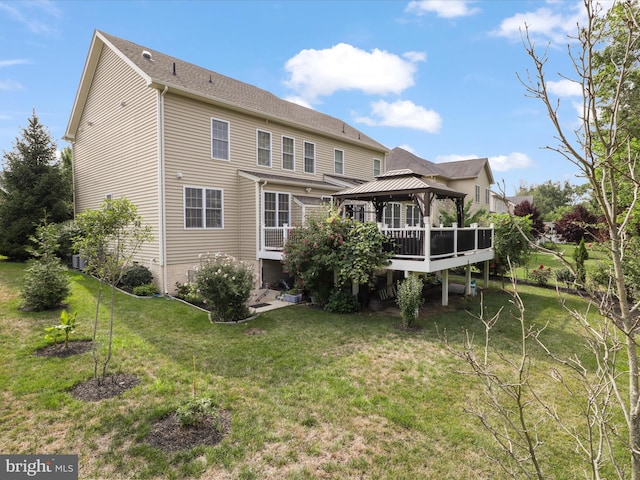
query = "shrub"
{"x": 145, "y": 290}
{"x": 225, "y": 284}
{"x": 63, "y": 330}
{"x": 342, "y": 301}
{"x": 136, "y": 276}
{"x": 330, "y": 247}
{"x": 45, "y": 283}
{"x": 580, "y": 255}
{"x": 198, "y": 410}
{"x": 565, "y": 276}
{"x": 600, "y": 275}
{"x": 410, "y": 299}
{"x": 541, "y": 275}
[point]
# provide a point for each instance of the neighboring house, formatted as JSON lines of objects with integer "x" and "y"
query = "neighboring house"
{"x": 213, "y": 164}
{"x": 472, "y": 177}
{"x": 502, "y": 204}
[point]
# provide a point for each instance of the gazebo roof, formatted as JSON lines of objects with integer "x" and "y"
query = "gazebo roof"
{"x": 397, "y": 185}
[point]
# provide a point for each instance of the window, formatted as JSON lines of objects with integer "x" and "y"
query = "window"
{"x": 477, "y": 193}
{"x": 377, "y": 166}
{"x": 487, "y": 196}
{"x": 355, "y": 212}
{"x": 338, "y": 162}
{"x": 276, "y": 209}
{"x": 202, "y": 208}
{"x": 309, "y": 157}
{"x": 414, "y": 217}
{"x": 391, "y": 216}
{"x": 219, "y": 139}
{"x": 288, "y": 156}
{"x": 264, "y": 148}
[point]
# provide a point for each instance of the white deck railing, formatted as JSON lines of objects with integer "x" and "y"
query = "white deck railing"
{"x": 409, "y": 242}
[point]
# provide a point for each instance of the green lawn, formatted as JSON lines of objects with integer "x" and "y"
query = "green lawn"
{"x": 310, "y": 394}
{"x": 537, "y": 258}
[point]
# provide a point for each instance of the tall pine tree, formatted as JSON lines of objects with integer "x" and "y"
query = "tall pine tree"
{"x": 33, "y": 190}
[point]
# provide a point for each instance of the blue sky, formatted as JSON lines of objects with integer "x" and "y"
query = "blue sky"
{"x": 437, "y": 77}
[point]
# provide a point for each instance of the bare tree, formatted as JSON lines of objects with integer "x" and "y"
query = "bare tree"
{"x": 606, "y": 61}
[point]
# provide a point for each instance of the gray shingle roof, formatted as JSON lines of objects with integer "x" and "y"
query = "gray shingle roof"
{"x": 190, "y": 78}
{"x": 399, "y": 158}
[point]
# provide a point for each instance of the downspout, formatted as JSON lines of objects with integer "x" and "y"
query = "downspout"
{"x": 259, "y": 189}
{"x": 162, "y": 227}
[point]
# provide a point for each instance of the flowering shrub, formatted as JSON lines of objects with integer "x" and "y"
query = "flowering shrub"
{"x": 330, "y": 248}
{"x": 541, "y": 275}
{"x": 224, "y": 284}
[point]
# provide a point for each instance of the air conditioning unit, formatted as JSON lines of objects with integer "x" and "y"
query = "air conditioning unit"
{"x": 78, "y": 263}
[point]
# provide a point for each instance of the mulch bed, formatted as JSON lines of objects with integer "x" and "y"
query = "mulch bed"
{"x": 98, "y": 389}
{"x": 168, "y": 435}
{"x": 75, "y": 347}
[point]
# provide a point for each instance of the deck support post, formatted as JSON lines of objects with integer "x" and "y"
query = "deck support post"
{"x": 467, "y": 279}
{"x": 486, "y": 274}
{"x": 445, "y": 287}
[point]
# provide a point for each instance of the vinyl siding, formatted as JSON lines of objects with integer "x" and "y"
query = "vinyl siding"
{"x": 188, "y": 152}
{"x": 115, "y": 150}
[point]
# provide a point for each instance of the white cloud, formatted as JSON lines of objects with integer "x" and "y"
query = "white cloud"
{"x": 39, "y": 17}
{"x": 10, "y": 85}
{"x": 403, "y": 113}
{"x": 553, "y": 23}
{"x": 565, "y": 88}
{"x": 12, "y": 62}
{"x": 317, "y": 73}
{"x": 442, "y": 8}
{"x": 515, "y": 160}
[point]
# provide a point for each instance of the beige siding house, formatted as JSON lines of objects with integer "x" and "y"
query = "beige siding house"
{"x": 213, "y": 164}
{"x": 472, "y": 177}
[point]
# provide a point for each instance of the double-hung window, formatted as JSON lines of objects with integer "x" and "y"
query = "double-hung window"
{"x": 264, "y": 148}
{"x": 377, "y": 166}
{"x": 414, "y": 217}
{"x": 288, "y": 155}
{"x": 391, "y": 215}
{"x": 219, "y": 139}
{"x": 203, "y": 208}
{"x": 309, "y": 157}
{"x": 487, "y": 196}
{"x": 338, "y": 162}
{"x": 276, "y": 209}
{"x": 477, "y": 193}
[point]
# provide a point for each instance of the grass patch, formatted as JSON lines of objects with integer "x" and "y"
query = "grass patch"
{"x": 317, "y": 395}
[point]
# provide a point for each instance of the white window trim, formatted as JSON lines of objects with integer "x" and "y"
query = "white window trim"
{"x": 379, "y": 161}
{"x": 487, "y": 196}
{"x": 335, "y": 163}
{"x": 304, "y": 158}
{"x": 384, "y": 217}
{"x": 477, "y": 193}
{"x": 228, "y": 139}
{"x": 264, "y": 203}
{"x": 282, "y": 153}
{"x": 204, "y": 209}
{"x": 414, "y": 209}
{"x": 258, "y": 132}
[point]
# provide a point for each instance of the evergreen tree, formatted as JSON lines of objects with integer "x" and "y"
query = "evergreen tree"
{"x": 33, "y": 190}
